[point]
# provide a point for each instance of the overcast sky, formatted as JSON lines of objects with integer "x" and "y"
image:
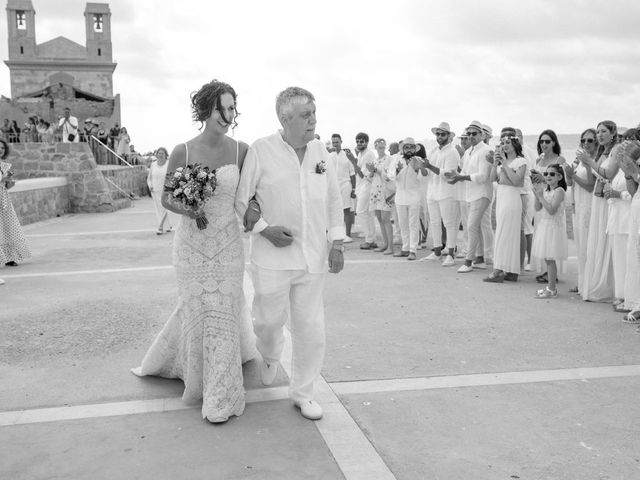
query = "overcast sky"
{"x": 391, "y": 68}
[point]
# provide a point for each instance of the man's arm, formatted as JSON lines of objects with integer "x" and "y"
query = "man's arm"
{"x": 335, "y": 217}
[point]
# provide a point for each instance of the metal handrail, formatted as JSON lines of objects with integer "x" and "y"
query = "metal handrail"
{"x": 126, "y": 194}
{"x": 118, "y": 156}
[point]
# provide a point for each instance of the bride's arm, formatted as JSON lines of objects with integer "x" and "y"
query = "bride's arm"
{"x": 176, "y": 159}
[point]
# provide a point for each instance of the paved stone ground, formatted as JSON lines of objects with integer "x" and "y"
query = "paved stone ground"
{"x": 429, "y": 374}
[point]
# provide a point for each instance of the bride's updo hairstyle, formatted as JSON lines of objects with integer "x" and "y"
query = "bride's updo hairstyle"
{"x": 207, "y": 99}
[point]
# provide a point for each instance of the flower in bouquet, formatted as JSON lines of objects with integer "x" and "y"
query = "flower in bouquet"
{"x": 192, "y": 186}
{"x": 321, "y": 167}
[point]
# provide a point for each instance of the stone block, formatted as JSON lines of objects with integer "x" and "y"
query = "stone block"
{"x": 63, "y": 148}
{"x": 58, "y": 157}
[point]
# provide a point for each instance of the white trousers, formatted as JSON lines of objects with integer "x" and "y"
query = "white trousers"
{"x": 173, "y": 219}
{"x": 448, "y": 212}
{"x": 366, "y": 217}
{"x": 619, "y": 259}
{"x": 487, "y": 232}
{"x": 294, "y": 294}
{"x": 409, "y": 219}
{"x": 463, "y": 205}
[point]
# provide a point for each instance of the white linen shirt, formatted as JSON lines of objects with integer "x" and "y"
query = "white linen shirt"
{"x": 363, "y": 184}
{"x": 446, "y": 159}
{"x": 408, "y": 185}
{"x": 478, "y": 169}
{"x": 292, "y": 195}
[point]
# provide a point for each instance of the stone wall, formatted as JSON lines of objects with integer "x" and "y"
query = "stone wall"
{"x": 38, "y": 199}
{"x": 88, "y": 190}
{"x": 130, "y": 179}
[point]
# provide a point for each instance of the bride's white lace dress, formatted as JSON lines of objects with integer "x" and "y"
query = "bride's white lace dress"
{"x": 209, "y": 333}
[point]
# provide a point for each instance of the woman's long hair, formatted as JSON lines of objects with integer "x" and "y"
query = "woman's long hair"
{"x": 613, "y": 129}
{"x": 554, "y": 138}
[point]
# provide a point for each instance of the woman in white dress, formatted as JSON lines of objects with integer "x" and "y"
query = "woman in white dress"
{"x": 209, "y": 334}
{"x": 629, "y": 164}
{"x": 124, "y": 140}
{"x": 382, "y": 190}
{"x": 581, "y": 179}
{"x": 155, "y": 182}
{"x": 509, "y": 169}
{"x": 597, "y": 285}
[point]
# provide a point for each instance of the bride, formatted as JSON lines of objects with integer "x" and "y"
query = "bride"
{"x": 209, "y": 334}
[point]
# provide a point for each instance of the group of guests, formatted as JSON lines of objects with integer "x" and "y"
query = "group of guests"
{"x": 457, "y": 186}
{"x": 35, "y": 129}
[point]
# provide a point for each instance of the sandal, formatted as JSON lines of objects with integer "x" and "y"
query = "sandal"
{"x": 544, "y": 278}
{"x": 620, "y": 308}
{"x": 546, "y": 292}
{"x": 632, "y": 317}
{"x": 574, "y": 290}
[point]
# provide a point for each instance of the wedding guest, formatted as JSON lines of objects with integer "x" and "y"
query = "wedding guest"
{"x": 14, "y": 136}
{"x": 619, "y": 201}
{"x": 394, "y": 153}
{"x": 41, "y": 128}
{"x": 508, "y": 168}
{"x": 124, "y": 141}
{"x": 443, "y": 206}
{"x": 549, "y": 153}
{"x": 114, "y": 132}
{"x": 346, "y": 174}
{"x": 68, "y": 126}
{"x": 382, "y": 192}
{"x": 13, "y": 243}
{"x": 598, "y": 280}
{"x": 364, "y": 155}
{"x": 629, "y": 164}
{"x": 476, "y": 171}
{"x": 208, "y": 335}
{"x": 461, "y": 197}
{"x": 5, "y": 130}
{"x": 407, "y": 170}
{"x": 155, "y": 182}
{"x": 528, "y": 201}
{"x": 581, "y": 178}
{"x": 550, "y": 243}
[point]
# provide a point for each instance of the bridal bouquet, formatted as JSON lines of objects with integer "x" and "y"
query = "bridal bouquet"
{"x": 192, "y": 186}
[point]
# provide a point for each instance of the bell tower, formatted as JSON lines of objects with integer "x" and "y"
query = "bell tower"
{"x": 21, "y": 23}
{"x": 98, "y": 27}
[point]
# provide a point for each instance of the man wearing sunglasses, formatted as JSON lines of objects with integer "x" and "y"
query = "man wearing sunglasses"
{"x": 363, "y": 188}
{"x": 476, "y": 170}
{"x": 442, "y": 203}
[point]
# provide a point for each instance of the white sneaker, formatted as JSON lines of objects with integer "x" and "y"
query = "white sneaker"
{"x": 268, "y": 372}
{"x": 347, "y": 240}
{"x": 309, "y": 409}
{"x": 465, "y": 269}
{"x": 422, "y": 246}
{"x": 527, "y": 267}
{"x": 448, "y": 261}
{"x": 1, "y": 281}
{"x": 480, "y": 266}
{"x": 433, "y": 256}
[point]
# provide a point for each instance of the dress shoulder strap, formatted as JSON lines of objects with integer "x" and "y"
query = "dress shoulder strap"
{"x": 186, "y": 157}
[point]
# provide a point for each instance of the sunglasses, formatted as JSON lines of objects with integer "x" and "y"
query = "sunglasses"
{"x": 545, "y": 141}
{"x": 587, "y": 140}
{"x": 550, "y": 174}
{"x": 442, "y": 134}
{"x": 473, "y": 134}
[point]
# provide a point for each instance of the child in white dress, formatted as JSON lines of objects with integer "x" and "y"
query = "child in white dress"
{"x": 550, "y": 241}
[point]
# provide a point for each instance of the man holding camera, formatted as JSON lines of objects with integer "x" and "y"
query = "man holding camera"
{"x": 69, "y": 127}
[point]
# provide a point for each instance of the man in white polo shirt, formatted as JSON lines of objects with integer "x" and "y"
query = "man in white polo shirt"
{"x": 346, "y": 182}
{"x": 293, "y": 180}
{"x": 476, "y": 171}
{"x": 442, "y": 202}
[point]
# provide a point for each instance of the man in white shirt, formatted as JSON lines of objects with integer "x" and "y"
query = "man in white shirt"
{"x": 364, "y": 156}
{"x": 407, "y": 169}
{"x": 293, "y": 180}
{"x": 476, "y": 171}
{"x": 486, "y": 226}
{"x": 461, "y": 195}
{"x": 442, "y": 202}
{"x": 346, "y": 182}
{"x": 69, "y": 127}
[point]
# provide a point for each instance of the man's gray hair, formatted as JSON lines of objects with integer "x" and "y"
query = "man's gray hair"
{"x": 292, "y": 96}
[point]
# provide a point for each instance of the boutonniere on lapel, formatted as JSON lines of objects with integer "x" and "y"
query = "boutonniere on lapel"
{"x": 321, "y": 167}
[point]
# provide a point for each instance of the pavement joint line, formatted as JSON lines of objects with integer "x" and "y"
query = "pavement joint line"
{"x": 131, "y": 407}
{"x": 351, "y": 449}
{"x": 81, "y": 234}
{"x": 483, "y": 379}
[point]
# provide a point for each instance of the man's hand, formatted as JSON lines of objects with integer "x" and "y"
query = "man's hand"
{"x": 336, "y": 260}
{"x": 455, "y": 178}
{"x": 278, "y": 236}
{"x": 251, "y": 216}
